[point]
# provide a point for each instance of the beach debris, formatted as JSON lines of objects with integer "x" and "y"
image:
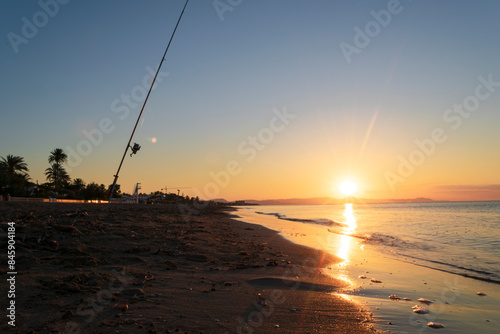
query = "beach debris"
{"x": 419, "y": 309}
{"x": 134, "y": 293}
{"x": 425, "y": 301}
{"x": 77, "y": 213}
{"x": 480, "y": 293}
{"x": 68, "y": 314}
{"x": 394, "y": 297}
{"x": 197, "y": 258}
{"x": 66, "y": 228}
{"x": 54, "y": 243}
{"x": 362, "y": 276}
{"x": 406, "y": 298}
{"x": 375, "y": 280}
{"x": 276, "y": 326}
{"x": 435, "y": 325}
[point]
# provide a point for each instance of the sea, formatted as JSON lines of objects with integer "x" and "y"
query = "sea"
{"x": 445, "y": 252}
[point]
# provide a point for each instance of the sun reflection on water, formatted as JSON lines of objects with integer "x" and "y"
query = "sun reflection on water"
{"x": 345, "y": 238}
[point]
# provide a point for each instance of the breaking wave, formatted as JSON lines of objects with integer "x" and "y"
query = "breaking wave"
{"x": 318, "y": 221}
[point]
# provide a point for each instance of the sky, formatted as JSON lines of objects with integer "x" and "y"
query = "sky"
{"x": 258, "y": 99}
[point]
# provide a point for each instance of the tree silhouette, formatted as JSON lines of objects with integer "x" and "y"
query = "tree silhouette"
{"x": 94, "y": 191}
{"x": 58, "y": 156}
{"x": 13, "y": 173}
{"x": 56, "y": 172}
{"x": 57, "y": 175}
{"x": 117, "y": 193}
{"x": 78, "y": 184}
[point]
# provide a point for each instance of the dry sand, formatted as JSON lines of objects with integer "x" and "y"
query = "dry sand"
{"x": 151, "y": 269}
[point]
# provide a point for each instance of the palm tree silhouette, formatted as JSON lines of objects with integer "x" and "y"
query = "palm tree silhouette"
{"x": 78, "y": 184}
{"x": 57, "y": 175}
{"x": 13, "y": 171}
{"x": 58, "y": 156}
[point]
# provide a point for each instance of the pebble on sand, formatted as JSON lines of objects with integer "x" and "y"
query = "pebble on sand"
{"x": 375, "y": 280}
{"x": 425, "y": 301}
{"x": 406, "y": 298}
{"x": 394, "y": 297}
{"x": 435, "y": 325}
{"x": 480, "y": 293}
{"x": 419, "y": 310}
{"x": 362, "y": 276}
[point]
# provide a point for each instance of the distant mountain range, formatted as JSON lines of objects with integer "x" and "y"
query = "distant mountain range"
{"x": 327, "y": 200}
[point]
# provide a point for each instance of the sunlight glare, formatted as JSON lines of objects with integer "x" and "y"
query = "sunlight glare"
{"x": 348, "y": 188}
{"x": 345, "y": 238}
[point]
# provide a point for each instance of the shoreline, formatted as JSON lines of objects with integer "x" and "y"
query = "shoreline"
{"x": 454, "y": 299}
{"x": 81, "y": 268}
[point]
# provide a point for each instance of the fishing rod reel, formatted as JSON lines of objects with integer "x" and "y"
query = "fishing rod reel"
{"x": 135, "y": 148}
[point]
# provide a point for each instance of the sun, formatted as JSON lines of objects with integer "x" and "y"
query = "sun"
{"x": 348, "y": 188}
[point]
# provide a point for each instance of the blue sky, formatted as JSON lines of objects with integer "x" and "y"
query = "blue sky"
{"x": 225, "y": 77}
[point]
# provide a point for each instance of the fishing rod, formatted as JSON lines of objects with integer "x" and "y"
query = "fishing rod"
{"x": 136, "y": 146}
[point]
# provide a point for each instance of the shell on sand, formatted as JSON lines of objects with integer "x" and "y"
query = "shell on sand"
{"x": 435, "y": 325}
{"x": 425, "y": 301}
{"x": 419, "y": 310}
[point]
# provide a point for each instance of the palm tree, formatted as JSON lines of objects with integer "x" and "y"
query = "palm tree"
{"x": 14, "y": 165}
{"x": 57, "y": 175}
{"x": 78, "y": 184}
{"x": 56, "y": 171}
{"x": 58, "y": 156}
{"x": 13, "y": 171}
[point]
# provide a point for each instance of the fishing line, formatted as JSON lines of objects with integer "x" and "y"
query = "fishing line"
{"x": 136, "y": 147}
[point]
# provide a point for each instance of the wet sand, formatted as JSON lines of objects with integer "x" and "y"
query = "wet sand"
{"x": 153, "y": 269}
{"x": 371, "y": 277}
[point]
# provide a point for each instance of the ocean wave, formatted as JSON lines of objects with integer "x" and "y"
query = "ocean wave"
{"x": 393, "y": 241}
{"x": 475, "y": 273}
{"x": 421, "y": 252}
{"x": 318, "y": 221}
{"x": 387, "y": 240}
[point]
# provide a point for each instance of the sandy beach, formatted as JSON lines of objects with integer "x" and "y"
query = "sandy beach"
{"x": 151, "y": 269}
